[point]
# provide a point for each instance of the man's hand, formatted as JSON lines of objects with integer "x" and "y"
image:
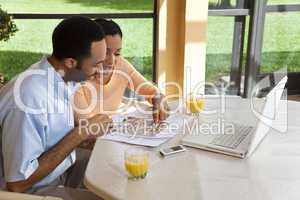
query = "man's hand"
{"x": 94, "y": 127}
{"x": 160, "y": 108}
{"x": 49, "y": 160}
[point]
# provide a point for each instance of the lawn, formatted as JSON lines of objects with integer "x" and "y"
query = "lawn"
{"x": 281, "y": 45}
{"x": 33, "y": 40}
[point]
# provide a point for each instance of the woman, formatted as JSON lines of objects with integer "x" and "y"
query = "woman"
{"x": 116, "y": 75}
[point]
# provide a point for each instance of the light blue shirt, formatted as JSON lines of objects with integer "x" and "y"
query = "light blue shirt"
{"x": 32, "y": 121}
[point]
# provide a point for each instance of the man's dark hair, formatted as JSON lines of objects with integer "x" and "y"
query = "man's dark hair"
{"x": 109, "y": 27}
{"x": 73, "y": 37}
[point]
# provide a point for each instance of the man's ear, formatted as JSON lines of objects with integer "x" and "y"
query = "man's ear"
{"x": 70, "y": 63}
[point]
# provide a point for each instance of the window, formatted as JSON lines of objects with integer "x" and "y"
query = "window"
{"x": 33, "y": 39}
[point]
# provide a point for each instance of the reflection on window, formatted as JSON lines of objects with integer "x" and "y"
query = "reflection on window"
{"x": 275, "y": 2}
{"x": 221, "y": 4}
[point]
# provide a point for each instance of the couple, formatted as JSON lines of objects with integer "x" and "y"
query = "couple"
{"x": 42, "y": 149}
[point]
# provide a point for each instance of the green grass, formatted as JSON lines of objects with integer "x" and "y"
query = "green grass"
{"x": 280, "y": 47}
{"x": 76, "y": 6}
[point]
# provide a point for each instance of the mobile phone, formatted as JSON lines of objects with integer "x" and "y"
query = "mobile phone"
{"x": 172, "y": 150}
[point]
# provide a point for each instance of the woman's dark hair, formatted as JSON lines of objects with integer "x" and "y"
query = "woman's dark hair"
{"x": 73, "y": 37}
{"x": 109, "y": 27}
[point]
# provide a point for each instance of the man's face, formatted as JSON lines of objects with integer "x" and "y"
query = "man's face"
{"x": 92, "y": 66}
{"x": 89, "y": 68}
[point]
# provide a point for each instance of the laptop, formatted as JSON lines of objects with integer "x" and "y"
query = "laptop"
{"x": 244, "y": 139}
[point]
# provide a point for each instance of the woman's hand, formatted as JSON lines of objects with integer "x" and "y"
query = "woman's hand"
{"x": 160, "y": 108}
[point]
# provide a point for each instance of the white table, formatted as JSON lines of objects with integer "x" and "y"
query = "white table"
{"x": 272, "y": 172}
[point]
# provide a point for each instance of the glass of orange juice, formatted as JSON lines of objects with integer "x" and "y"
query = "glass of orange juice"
{"x": 195, "y": 103}
{"x": 136, "y": 163}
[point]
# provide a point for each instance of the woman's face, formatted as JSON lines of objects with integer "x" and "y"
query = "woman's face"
{"x": 113, "y": 51}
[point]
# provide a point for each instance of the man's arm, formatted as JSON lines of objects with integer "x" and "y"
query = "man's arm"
{"x": 49, "y": 161}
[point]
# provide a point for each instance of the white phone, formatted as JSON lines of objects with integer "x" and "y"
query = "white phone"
{"x": 172, "y": 150}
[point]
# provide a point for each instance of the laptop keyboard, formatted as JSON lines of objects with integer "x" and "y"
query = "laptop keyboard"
{"x": 232, "y": 140}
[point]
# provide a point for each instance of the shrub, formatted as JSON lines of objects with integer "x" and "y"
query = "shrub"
{"x": 7, "y": 26}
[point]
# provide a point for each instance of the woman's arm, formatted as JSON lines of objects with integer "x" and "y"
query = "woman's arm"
{"x": 139, "y": 84}
{"x": 145, "y": 88}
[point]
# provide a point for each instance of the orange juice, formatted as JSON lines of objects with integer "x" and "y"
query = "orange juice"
{"x": 136, "y": 162}
{"x": 137, "y": 166}
{"x": 195, "y": 104}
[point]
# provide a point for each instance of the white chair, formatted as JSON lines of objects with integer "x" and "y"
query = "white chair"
{"x": 19, "y": 196}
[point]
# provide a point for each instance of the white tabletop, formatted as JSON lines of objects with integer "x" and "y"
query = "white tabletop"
{"x": 272, "y": 172}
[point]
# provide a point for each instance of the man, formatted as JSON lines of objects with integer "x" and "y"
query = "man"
{"x": 38, "y": 137}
